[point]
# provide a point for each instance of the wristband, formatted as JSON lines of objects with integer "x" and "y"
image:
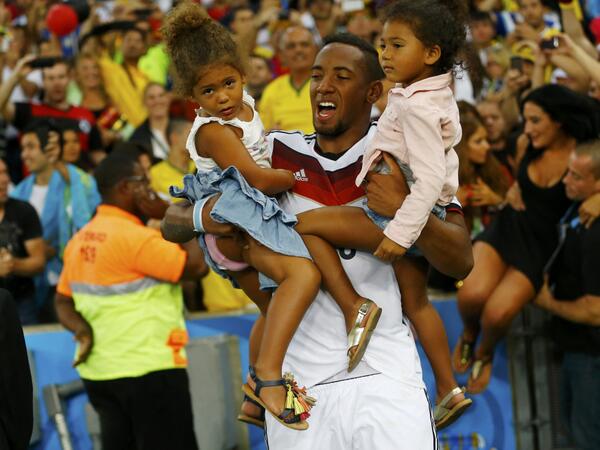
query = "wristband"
{"x": 197, "y": 214}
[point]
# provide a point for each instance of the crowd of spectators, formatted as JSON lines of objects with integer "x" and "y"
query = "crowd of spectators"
{"x": 528, "y": 92}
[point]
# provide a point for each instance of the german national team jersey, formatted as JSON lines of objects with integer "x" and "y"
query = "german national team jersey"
{"x": 318, "y": 350}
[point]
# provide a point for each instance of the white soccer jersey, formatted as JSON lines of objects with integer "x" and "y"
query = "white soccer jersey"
{"x": 318, "y": 349}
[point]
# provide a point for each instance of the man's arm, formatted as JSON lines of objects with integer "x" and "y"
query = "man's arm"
{"x": 7, "y": 109}
{"x": 445, "y": 244}
{"x": 34, "y": 263}
{"x": 76, "y": 324}
{"x": 584, "y": 310}
{"x": 195, "y": 265}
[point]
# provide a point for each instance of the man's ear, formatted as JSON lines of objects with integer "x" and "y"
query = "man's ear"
{"x": 432, "y": 55}
{"x": 374, "y": 92}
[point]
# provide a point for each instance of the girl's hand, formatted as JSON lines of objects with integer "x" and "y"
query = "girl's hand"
{"x": 389, "y": 251}
{"x": 464, "y": 194}
{"x": 483, "y": 195}
{"x": 514, "y": 198}
{"x": 590, "y": 210}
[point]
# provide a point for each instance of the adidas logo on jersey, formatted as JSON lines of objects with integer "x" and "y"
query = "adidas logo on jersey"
{"x": 300, "y": 175}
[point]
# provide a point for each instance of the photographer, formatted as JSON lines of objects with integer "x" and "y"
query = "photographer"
{"x": 56, "y": 77}
{"x": 21, "y": 249}
{"x": 64, "y": 197}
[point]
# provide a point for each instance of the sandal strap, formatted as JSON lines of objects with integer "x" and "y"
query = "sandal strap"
{"x": 262, "y": 383}
{"x": 251, "y": 400}
{"x": 357, "y": 331}
{"x": 456, "y": 391}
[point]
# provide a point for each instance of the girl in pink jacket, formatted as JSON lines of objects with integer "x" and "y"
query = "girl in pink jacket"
{"x": 419, "y": 128}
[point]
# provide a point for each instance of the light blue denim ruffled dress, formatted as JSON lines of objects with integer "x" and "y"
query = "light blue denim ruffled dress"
{"x": 241, "y": 204}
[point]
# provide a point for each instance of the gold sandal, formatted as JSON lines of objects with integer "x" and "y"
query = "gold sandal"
{"x": 445, "y": 416}
{"x": 360, "y": 336}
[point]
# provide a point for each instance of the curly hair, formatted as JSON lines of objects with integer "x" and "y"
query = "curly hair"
{"x": 434, "y": 22}
{"x": 195, "y": 41}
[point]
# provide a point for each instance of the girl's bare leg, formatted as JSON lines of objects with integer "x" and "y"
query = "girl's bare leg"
{"x": 342, "y": 227}
{"x": 298, "y": 283}
{"x": 411, "y": 274}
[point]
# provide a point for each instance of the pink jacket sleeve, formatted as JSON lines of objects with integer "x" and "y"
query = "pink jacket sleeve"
{"x": 427, "y": 160}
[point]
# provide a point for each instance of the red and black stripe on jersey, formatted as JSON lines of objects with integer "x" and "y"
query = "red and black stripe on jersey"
{"x": 77, "y": 118}
{"x": 329, "y": 188}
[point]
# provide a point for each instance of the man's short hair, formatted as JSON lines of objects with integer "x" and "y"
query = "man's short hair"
{"x": 591, "y": 149}
{"x": 374, "y": 71}
{"x": 113, "y": 169}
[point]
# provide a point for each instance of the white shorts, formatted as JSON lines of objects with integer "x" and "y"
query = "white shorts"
{"x": 372, "y": 412}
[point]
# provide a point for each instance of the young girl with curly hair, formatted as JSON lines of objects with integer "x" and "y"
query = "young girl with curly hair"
{"x": 227, "y": 145}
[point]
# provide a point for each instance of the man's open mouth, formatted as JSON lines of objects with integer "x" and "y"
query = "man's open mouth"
{"x": 326, "y": 110}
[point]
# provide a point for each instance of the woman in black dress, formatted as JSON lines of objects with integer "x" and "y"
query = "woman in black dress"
{"x": 510, "y": 255}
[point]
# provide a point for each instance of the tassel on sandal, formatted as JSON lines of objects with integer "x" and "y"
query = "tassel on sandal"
{"x": 297, "y": 403}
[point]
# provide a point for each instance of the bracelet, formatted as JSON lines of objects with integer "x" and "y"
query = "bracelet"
{"x": 197, "y": 214}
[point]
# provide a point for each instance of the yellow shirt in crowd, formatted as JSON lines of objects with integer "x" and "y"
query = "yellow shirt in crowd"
{"x": 220, "y": 295}
{"x": 125, "y": 87}
{"x": 165, "y": 174}
{"x": 283, "y": 107}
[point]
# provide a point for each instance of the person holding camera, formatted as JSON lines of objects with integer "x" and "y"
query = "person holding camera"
{"x": 21, "y": 249}
{"x": 55, "y": 77}
{"x": 64, "y": 197}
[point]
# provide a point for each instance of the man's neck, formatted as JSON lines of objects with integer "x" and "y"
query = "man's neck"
{"x": 343, "y": 142}
{"x": 126, "y": 206}
{"x": 179, "y": 159}
{"x": 299, "y": 78}
{"x": 42, "y": 178}
{"x": 63, "y": 104}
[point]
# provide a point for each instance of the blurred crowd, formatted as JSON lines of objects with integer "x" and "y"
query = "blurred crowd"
{"x": 83, "y": 79}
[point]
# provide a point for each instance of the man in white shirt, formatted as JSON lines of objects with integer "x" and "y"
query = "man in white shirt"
{"x": 382, "y": 404}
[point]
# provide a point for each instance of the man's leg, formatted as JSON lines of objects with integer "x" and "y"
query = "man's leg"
{"x": 107, "y": 398}
{"x": 161, "y": 409}
{"x": 585, "y": 396}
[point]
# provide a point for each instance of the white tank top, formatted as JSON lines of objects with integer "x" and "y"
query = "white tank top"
{"x": 253, "y": 138}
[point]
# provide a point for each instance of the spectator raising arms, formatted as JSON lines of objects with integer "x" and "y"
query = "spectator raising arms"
{"x": 511, "y": 253}
{"x": 55, "y": 105}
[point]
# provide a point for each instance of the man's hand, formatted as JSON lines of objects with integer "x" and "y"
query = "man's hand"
{"x": 590, "y": 210}
{"x": 7, "y": 262}
{"x": 85, "y": 338}
{"x": 52, "y": 149}
{"x": 515, "y": 81}
{"x": 386, "y": 192}
{"x": 389, "y": 251}
{"x": 544, "y": 296}
{"x": 152, "y": 206}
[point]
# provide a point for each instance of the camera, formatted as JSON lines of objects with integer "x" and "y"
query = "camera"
{"x": 550, "y": 43}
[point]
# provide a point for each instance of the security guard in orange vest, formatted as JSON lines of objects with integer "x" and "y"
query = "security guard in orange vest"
{"x": 119, "y": 294}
